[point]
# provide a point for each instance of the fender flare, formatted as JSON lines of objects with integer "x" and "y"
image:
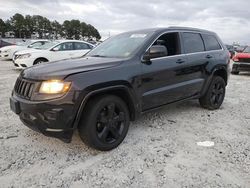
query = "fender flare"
{"x": 40, "y": 58}
{"x": 85, "y": 99}
{"x": 210, "y": 76}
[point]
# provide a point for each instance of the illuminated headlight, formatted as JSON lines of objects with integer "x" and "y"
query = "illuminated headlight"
{"x": 24, "y": 56}
{"x": 54, "y": 87}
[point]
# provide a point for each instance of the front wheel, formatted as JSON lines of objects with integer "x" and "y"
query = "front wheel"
{"x": 104, "y": 123}
{"x": 215, "y": 94}
{"x": 39, "y": 61}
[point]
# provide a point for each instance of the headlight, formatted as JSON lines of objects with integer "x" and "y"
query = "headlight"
{"x": 54, "y": 87}
{"x": 23, "y": 56}
{"x": 7, "y": 51}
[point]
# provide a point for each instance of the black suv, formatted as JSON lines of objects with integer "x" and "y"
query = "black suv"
{"x": 123, "y": 77}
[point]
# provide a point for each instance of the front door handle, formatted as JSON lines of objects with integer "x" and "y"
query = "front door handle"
{"x": 209, "y": 56}
{"x": 180, "y": 61}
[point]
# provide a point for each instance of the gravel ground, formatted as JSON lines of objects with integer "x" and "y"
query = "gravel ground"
{"x": 160, "y": 149}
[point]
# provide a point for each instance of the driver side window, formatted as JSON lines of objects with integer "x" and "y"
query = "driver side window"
{"x": 171, "y": 41}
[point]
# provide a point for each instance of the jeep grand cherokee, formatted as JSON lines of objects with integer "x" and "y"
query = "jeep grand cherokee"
{"x": 125, "y": 76}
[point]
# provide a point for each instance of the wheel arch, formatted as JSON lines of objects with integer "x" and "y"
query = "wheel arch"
{"x": 46, "y": 59}
{"x": 222, "y": 73}
{"x": 121, "y": 91}
{"x": 218, "y": 71}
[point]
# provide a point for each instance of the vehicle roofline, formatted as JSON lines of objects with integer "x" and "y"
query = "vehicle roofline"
{"x": 165, "y": 29}
{"x": 61, "y": 41}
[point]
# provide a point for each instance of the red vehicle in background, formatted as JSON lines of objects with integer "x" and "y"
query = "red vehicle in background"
{"x": 241, "y": 61}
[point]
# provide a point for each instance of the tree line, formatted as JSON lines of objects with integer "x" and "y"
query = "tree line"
{"x": 26, "y": 26}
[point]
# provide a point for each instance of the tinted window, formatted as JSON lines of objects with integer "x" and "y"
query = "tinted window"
{"x": 171, "y": 42}
{"x": 211, "y": 42}
{"x": 65, "y": 46}
{"x": 193, "y": 42}
{"x": 81, "y": 46}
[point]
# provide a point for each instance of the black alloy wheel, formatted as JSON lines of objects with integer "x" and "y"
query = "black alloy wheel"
{"x": 105, "y": 122}
{"x": 215, "y": 94}
{"x": 110, "y": 123}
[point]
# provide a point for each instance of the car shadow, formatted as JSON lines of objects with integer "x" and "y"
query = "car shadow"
{"x": 172, "y": 110}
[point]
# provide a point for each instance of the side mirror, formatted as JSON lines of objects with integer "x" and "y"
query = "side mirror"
{"x": 155, "y": 51}
{"x": 55, "y": 49}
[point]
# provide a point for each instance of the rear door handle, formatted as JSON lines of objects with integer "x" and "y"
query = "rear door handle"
{"x": 180, "y": 61}
{"x": 209, "y": 56}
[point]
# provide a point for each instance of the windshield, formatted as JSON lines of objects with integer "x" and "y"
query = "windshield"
{"x": 47, "y": 45}
{"x": 121, "y": 46}
{"x": 26, "y": 43}
{"x": 247, "y": 50}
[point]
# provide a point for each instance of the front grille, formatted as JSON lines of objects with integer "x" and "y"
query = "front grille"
{"x": 245, "y": 60}
{"x": 24, "y": 88}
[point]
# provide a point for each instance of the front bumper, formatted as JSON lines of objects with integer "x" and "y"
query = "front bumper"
{"x": 241, "y": 66}
{"x": 4, "y": 55}
{"x": 22, "y": 63}
{"x": 53, "y": 118}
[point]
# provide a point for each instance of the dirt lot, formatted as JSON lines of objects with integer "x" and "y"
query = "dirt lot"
{"x": 160, "y": 149}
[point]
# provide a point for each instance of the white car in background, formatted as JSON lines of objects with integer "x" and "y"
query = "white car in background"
{"x": 53, "y": 51}
{"x": 8, "y": 52}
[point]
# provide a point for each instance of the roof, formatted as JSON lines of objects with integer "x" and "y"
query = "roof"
{"x": 65, "y": 40}
{"x": 161, "y": 29}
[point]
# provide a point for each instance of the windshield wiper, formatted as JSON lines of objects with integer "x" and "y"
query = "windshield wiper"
{"x": 98, "y": 56}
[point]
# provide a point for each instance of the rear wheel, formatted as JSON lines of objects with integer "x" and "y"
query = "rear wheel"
{"x": 40, "y": 61}
{"x": 104, "y": 123}
{"x": 215, "y": 94}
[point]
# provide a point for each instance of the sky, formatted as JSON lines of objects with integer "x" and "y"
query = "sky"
{"x": 230, "y": 19}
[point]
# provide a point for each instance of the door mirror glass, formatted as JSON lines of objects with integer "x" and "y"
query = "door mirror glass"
{"x": 57, "y": 48}
{"x": 155, "y": 52}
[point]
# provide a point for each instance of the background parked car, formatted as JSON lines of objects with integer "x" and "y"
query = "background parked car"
{"x": 4, "y": 43}
{"x": 7, "y": 52}
{"x": 241, "y": 61}
{"x": 240, "y": 49}
{"x": 53, "y": 51}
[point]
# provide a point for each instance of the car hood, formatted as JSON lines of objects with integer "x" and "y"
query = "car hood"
{"x": 28, "y": 51}
{"x": 242, "y": 55}
{"x": 7, "y": 48}
{"x": 61, "y": 69}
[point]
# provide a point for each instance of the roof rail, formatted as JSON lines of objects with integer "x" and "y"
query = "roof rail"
{"x": 188, "y": 28}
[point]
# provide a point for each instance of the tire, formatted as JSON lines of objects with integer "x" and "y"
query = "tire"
{"x": 104, "y": 123}
{"x": 215, "y": 94}
{"x": 40, "y": 61}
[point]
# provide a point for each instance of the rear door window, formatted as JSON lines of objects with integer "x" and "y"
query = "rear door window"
{"x": 67, "y": 46}
{"x": 211, "y": 43}
{"x": 81, "y": 46}
{"x": 192, "y": 42}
